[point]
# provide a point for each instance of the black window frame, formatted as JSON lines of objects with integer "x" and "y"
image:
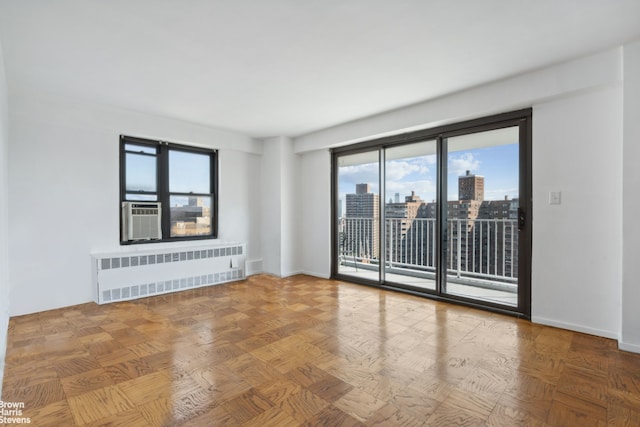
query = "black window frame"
{"x": 522, "y": 119}
{"x": 163, "y": 148}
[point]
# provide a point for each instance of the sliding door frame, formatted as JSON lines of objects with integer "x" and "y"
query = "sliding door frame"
{"x": 520, "y": 118}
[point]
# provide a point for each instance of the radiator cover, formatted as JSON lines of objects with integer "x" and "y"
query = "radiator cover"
{"x": 122, "y": 276}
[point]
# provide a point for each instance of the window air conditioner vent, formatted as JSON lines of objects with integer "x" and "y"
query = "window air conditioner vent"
{"x": 141, "y": 221}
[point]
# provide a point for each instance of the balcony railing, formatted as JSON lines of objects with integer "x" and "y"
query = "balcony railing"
{"x": 480, "y": 249}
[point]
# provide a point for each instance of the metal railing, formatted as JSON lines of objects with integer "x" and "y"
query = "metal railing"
{"x": 485, "y": 249}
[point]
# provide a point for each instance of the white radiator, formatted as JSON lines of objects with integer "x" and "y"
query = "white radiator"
{"x": 121, "y": 276}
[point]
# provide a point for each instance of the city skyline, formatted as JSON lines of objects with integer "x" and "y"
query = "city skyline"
{"x": 498, "y": 164}
{"x": 481, "y": 236}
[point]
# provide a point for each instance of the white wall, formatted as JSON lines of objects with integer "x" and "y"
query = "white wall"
{"x": 291, "y": 210}
{"x": 631, "y": 204}
{"x": 577, "y": 138}
{"x": 271, "y": 206}
{"x": 240, "y": 202}
{"x": 315, "y": 235}
{"x": 64, "y": 191}
{"x": 577, "y": 252}
{"x": 280, "y": 208}
{"x": 4, "y": 218}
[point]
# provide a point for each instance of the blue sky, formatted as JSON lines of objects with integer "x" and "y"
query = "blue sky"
{"x": 498, "y": 165}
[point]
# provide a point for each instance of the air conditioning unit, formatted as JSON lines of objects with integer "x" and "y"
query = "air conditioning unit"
{"x": 141, "y": 221}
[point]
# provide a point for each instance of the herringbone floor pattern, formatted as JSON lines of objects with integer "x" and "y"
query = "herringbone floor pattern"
{"x": 307, "y": 351}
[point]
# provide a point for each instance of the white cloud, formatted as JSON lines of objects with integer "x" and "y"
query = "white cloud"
{"x": 458, "y": 165}
{"x": 366, "y": 169}
{"x": 425, "y": 189}
{"x": 349, "y": 176}
{"x": 399, "y": 169}
{"x": 402, "y": 176}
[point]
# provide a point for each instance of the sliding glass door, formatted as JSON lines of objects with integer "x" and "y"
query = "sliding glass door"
{"x": 443, "y": 212}
{"x": 483, "y": 193}
{"x": 410, "y": 184}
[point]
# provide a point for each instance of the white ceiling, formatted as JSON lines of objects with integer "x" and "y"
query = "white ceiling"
{"x": 289, "y": 67}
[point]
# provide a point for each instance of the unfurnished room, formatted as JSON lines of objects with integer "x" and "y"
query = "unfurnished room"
{"x": 320, "y": 213}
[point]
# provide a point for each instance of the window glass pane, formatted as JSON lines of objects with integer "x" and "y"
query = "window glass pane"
{"x": 140, "y": 149}
{"x": 189, "y": 172}
{"x": 482, "y": 207}
{"x": 358, "y": 209}
{"x": 142, "y": 197}
{"x": 410, "y": 214}
{"x": 140, "y": 172}
{"x": 190, "y": 215}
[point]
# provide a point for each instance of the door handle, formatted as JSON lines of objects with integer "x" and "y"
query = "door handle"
{"x": 522, "y": 219}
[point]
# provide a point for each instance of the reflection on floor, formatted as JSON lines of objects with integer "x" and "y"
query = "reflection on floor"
{"x": 482, "y": 290}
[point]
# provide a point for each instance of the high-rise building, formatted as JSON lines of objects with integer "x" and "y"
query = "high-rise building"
{"x": 482, "y": 236}
{"x": 363, "y": 188}
{"x": 471, "y": 187}
{"x": 399, "y": 219}
{"x": 362, "y": 219}
{"x": 192, "y": 218}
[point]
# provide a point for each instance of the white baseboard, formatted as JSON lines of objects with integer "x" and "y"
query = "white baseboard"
{"x": 634, "y": 348}
{"x": 279, "y": 276}
{"x": 292, "y": 273}
{"x": 318, "y": 275}
{"x": 576, "y": 328}
{"x": 253, "y": 266}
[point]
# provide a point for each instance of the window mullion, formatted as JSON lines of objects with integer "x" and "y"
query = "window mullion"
{"x": 214, "y": 192}
{"x": 163, "y": 188}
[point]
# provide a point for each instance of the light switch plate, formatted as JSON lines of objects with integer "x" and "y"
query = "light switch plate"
{"x": 555, "y": 197}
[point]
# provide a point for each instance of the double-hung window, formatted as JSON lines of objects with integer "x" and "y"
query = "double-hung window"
{"x": 170, "y": 185}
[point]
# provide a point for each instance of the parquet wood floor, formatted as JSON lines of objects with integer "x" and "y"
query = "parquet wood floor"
{"x": 308, "y": 351}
